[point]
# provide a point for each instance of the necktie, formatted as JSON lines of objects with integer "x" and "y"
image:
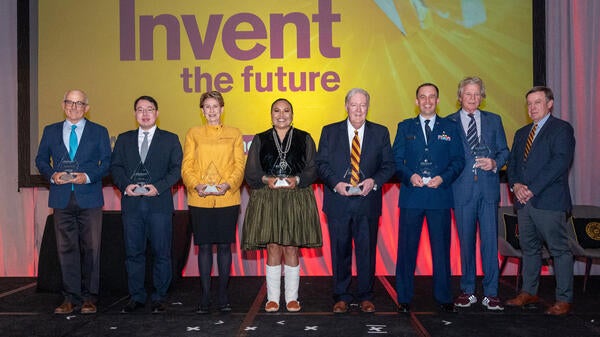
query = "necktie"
{"x": 427, "y": 131}
{"x": 144, "y": 147}
{"x": 355, "y": 159}
{"x": 529, "y": 141}
{"x": 73, "y": 143}
{"x": 472, "y": 132}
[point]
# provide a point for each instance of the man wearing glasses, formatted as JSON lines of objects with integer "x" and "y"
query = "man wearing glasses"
{"x": 74, "y": 155}
{"x": 145, "y": 163}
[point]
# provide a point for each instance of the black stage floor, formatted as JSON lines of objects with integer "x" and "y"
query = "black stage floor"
{"x": 25, "y": 312}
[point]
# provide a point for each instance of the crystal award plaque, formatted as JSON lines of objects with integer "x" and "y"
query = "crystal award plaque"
{"x": 426, "y": 168}
{"x": 281, "y": 171}
{"x": 141, "y": 177}
{"x": 69, "y": 167}
{"x": 479, "y": 151}
{"x": 212, "y": 178}
{"x": 354, "y": 189}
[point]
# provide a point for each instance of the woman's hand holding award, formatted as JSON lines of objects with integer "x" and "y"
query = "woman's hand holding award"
{"x": 282, "y": 172}
{"x": 212, "y": 178}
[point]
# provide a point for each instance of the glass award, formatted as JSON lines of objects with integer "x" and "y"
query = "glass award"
{"x": 212, "y": 179}
{"x": 141, "y": 177}
{"x": 426, "y": 167}
{"x": 479, "y": 151}
{"x": 69, "y": 167}
{"x": 353, "y": 189}
{"x": 281, "y": 171}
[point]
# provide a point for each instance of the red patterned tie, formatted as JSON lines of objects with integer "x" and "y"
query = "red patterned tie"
{"x": 529, "y": 141}
{"x": 355, "y": 159}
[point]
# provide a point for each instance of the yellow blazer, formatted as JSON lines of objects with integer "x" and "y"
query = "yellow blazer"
{"x": 222, "y": 146}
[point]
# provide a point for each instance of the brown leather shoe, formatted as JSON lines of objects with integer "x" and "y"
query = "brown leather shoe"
{"x": 271, "y": 306}
{"x": 65, "y": 308}
{"x": 88, "y": 307}
{"x": 523, "y": 299}
{"x": 558, "y": 309}
{"x": 367, "y": 306}
{"x": 293, "y": 306}
{"x": 340, "y": 307}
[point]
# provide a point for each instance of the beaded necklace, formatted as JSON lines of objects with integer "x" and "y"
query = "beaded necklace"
{"x": 283, "y": 152}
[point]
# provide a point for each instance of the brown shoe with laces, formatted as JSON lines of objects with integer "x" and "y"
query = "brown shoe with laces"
{"x": 340, "y": 307}
{"x": 523, "y": 299}
{"x": 88, "y": 307}
{"x": 559, "y": 309}
{"x": 65, "y": 308}
{"x": 367, "y": 306}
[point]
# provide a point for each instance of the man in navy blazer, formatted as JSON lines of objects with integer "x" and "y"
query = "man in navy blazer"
{"x": 477, "y": 193}
{"x": 74, "y": 156}
{"x": 354, "y": 216}
{"x": 538, "y": 173}
{"x": 146, "y": 163}
{"x": 429, "y": 157}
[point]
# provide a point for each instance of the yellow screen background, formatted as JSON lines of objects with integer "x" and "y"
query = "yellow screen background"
{"x": 441, "y": 43}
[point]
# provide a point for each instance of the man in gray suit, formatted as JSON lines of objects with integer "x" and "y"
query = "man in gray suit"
{"x": 538, "y": 174}
{"x": 477, "y": 193}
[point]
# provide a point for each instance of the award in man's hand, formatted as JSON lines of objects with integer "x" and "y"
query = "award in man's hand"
{"x": 212, "y": 179}
{"x": 426, "y": 169}
{"x": 353, "y": 189}
{"x": 479, "y": 151}
{"x": 69, "y": 167}
{"x": 281, "y": 171}
{"x": 141, "y": 177}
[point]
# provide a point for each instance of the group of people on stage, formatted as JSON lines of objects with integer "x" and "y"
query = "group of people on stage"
{"x": 442, "y": 163}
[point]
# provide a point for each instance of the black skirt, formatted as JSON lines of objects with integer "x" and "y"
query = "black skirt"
{"x": 214, "y": 225}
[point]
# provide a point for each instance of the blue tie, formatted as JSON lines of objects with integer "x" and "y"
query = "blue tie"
{"x": 73, "y": 142}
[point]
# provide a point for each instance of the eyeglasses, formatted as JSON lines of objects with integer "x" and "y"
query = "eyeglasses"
{"x": 70, "y": 103}
{"x": 142, "y": 110}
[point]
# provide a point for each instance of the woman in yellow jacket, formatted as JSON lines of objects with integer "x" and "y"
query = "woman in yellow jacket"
{"x": 213, "y": 171}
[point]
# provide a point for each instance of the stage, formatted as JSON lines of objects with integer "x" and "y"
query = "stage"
{"x": 26, "y": 312}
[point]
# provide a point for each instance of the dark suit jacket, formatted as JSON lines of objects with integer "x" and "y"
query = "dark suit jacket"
{"x": 494, "y": 137}
{"x": 445, "y": 151}
{"x": 333, "y": 159}
{"x": 546, "y": 171}
{"x": 93, "y": 157}
{"x": 163, "y": 162}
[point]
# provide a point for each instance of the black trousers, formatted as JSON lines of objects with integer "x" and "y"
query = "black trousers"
{"x": 78, "y": 233}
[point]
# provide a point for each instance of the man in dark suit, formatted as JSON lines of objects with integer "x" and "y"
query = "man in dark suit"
{"x": 429, "y": 157}
{"x": 538, "y": 173}
{"x": 477, "y": 193}
{"x": 146, "y": 163}
{"x": 353, "y": 205}
{"x": 74, "y": 155}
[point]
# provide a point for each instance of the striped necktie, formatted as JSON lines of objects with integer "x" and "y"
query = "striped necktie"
{"x": 472, "y": 138}
{"x": 355, "y": 159}
{"x": 529, "y": 141}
